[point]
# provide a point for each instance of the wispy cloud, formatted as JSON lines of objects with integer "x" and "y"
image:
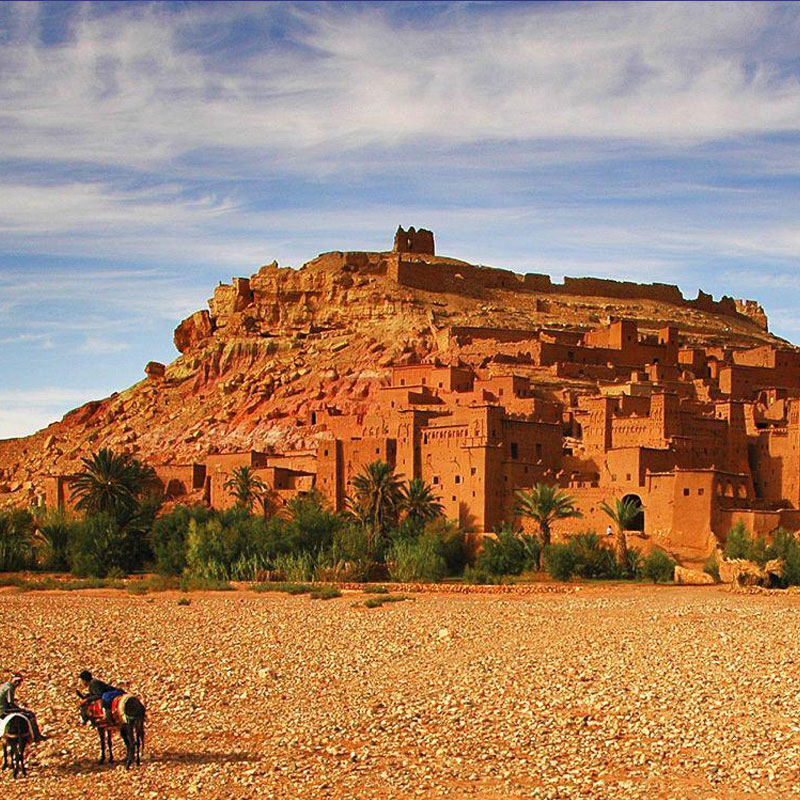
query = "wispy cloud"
{"x": 148, "y": 150}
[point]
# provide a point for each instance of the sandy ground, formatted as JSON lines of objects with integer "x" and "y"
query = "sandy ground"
{"x": 629, "y": 692}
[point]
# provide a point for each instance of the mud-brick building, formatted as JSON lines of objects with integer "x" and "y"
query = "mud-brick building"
{"x": 701, "y": 437}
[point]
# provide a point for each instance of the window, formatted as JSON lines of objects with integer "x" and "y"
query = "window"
{"x": 685, "y": 492}
{"x": 435, "y": 480}
{"x": 441, "y": 385}
{"x": 514, "y": 450}
{"x": 701, "y": 491}
{"x": 472, "y": 470}
{"x": 377, "y": 451}
{"x": 458, "y": 479}
{"x": 454, "y": 498}
{"x": 402, "y": 381}
{"x": 538, "y": 451}
{"x": 326, "y": 451}
{"x": 628, "y": 477}
{"x": 500, "y": 392}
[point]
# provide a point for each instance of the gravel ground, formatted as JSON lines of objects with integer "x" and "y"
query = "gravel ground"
{"x": 613, "y": 692}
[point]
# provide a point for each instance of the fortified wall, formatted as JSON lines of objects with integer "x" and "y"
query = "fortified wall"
{"x": 462, "y": 278}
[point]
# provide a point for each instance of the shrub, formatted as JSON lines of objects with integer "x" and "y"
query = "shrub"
{"x": 450, "y": 543}
{"x": 53, "y": 531}
{"x": 295, "y": 567}
{"x": 168, "y": 537}
{"x": 479, "y": 576}
{"x": 154, "y": 583}
{"x": 311, "y": 527}
{"x": 786, "y": 547}
{"x": 738, "y": 543}
{"x": 658, "y": 567}
{"x": 585, "y": 556}
{"x": 325, "y": 593}
{"x": 419, "y": 560}
{"x": 376, "y": 602}
{"x": 16, "y": 529}
{"x": 559, "y": 561}
{"x": 507, "y": 553}
{"x": 99, "y": 547}
{"x": 232, "y": 545}
{"x": 184, "y": 601}
{"x": 376, "y": 590}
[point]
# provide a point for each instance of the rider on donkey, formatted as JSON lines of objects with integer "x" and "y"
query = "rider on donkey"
{"x": 99, "y": 690}
{"x": 8, "y": 705}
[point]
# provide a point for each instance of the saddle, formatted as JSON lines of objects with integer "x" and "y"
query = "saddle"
{"x": 5, "y": 720}
{"x": 97, "y": 715}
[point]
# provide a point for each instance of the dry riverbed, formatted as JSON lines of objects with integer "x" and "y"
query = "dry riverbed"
{"x": 611, "y": 692}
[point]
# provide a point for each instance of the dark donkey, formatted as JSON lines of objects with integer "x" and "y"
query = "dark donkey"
{"x": 16, "y": 736}
{"x": 129, "y": 713}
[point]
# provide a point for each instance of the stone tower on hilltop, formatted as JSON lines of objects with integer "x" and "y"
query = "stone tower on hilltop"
{"x": 414, "y": 241}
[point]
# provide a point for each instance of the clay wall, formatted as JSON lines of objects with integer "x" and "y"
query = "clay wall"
{"x": 775, "y": 462}
{"x": 178, "y": 480}
{"x": 57, "y": 493}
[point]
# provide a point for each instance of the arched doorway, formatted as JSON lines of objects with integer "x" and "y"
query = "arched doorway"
{"x": 637, "y": 523}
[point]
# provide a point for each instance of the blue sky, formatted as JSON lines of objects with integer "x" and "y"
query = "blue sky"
{"x": 148, "y": 151}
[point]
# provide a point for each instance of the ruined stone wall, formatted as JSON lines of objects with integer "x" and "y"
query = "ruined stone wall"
{"x": 471, "y": 279}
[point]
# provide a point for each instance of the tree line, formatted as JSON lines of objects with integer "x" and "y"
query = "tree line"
{"x": 391, "y": 529}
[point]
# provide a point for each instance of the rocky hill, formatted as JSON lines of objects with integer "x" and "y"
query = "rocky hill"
{"x": 272, "y": 347}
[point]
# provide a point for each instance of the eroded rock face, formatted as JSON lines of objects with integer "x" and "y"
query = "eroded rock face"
{"x": 274, "y": 348}
{"x": 193, "y": 330}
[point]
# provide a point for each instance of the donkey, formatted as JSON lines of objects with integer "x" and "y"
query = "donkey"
{"x": 129, "y": 713}
{"x": 17, "y": 734}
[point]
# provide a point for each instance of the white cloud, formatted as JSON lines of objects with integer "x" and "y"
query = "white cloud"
{"x": 25, "y": 411}
{"x": 125, "y": 89}
{"x": 98, "y": 345}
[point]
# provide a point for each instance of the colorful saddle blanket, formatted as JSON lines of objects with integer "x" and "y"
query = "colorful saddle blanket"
{"x": 97, "y": 715}
{"x": 4, "y": 722}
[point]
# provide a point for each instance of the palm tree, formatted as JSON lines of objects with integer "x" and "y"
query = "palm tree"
{"x": 545, "y": 504}
{"x": 246, "y": 487}
{"x": 622, "y": 514}
{"x": 418, "y": 502}
{"x": 111, "y": 483}
{"x": 377, "y": 499}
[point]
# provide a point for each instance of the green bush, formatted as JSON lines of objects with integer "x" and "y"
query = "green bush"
{"x": 168, "y": 537}
{"x": 479, "y": 576}
{"x": 53, "y": 531}
{"x": 584, "y": 556}
{"x": 507, "y": 553}
{"x": 325, "y": 593}
{"x": 99, "y": 546}
{"x": 658, "y": 567}
{"x": 375, "y": 590}
{"x": 559, "y": 561}
{"x": 786, "y": 547}
{"x": 420, "y": 560}
{"x": 16, "y": 530}
{"x": 738, "y": 543}
{"x": 376, "y": 602}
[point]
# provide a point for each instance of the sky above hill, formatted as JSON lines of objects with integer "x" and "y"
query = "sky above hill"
{"x": 149, "y": 151}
